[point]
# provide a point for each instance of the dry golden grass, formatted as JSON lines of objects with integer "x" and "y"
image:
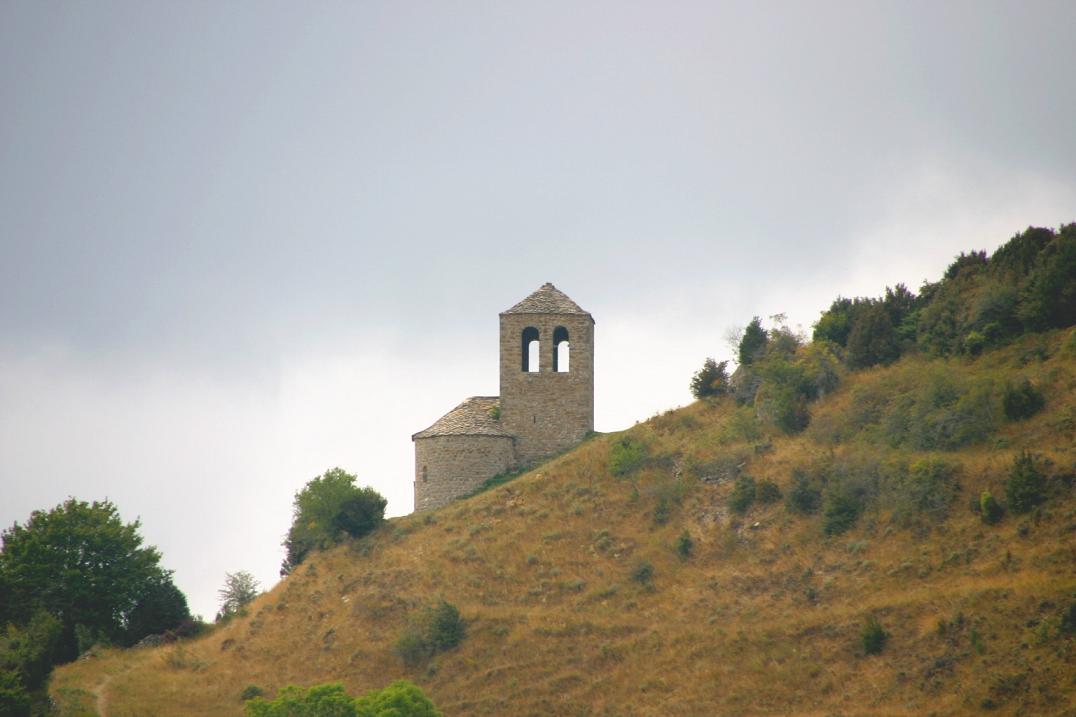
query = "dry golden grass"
{"x": 758, "y": 621}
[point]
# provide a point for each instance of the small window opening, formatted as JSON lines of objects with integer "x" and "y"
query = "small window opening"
{"x": 530, "y": 349}
{"x": 425, "y": 478}
{"x": 561, "y": 350}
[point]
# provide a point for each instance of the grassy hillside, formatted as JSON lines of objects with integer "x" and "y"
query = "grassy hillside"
{"x": 588, "y": 593}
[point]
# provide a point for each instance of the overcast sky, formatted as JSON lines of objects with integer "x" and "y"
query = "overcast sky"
{"x": 244, "y": 242}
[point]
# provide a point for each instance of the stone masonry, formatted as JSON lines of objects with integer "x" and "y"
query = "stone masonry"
{"x": 542, "y": 410}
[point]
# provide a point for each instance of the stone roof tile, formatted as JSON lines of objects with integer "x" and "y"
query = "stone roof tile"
{"x": 473, "y": 417}
{"x": 548, "y": 299}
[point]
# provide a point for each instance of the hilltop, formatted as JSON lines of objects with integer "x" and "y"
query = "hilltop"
{"x": 879, "y": 521}
{"x": 580, "y": 597}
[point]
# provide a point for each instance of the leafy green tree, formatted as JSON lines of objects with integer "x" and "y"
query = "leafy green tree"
{"x": 81, "y": 563}
{"x": 1049, "y": 299}
{"x": 872, "y": 339}
{"x": 834, "y": 323}
{"x": 14, "y": 699}
{"x": 900, "y": 304}
{"x": 239, "y": 590}
{"x": 162, "y": 607}
{"x": 400, "y": 699}
{"x": 29, "y": 651}
{"x": 1015, "y": 259}
{"x": 319, "y": 701}
{"x": 327, "y": 510}
{"x": 711, "y": 380}
{"x": 753, "y": 342}
{"x": 966, "y": 264}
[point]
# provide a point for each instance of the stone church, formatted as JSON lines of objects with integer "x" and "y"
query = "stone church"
{"x": 546, "y": 404}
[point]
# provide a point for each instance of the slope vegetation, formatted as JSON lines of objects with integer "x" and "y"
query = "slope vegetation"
{"x": 657, "y": 571}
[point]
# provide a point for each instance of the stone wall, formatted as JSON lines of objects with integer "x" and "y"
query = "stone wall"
{"x": 451, "y": 466}
{"x": 547, "y": 412}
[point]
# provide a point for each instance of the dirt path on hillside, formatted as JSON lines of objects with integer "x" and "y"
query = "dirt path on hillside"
{"x": 101, "y": 701}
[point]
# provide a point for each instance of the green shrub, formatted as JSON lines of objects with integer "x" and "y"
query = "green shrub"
{"x": 626, "y": 456}
{"x": 743, "y": 494}
{"x": 1022, "y": 401}
{"x": 742, "y": 425}
{"x": 711, "y": 380}
{"x": 950, "y": 413}
{"x": 435, "y": 629}
{"x": 319, "y": 701}
{"x": 1026, "y": 486}
{"x": 446, "y": 628}
{"x": 30, "y": 650}
{"x": 250, "y": 692}
{"x": 927, "y": 490}
{"x": 784, "y": 393}
{"x": 661, "y": 510}
{"x": 685, "y": 545}
{"x": 926, "y": 408}
{"x": 766, "y": 491}
{"x": 411, "y": 647}
{"x": 668, "y": 495}
{"x": 840, "y": 513}
{"x": 804, "y": 496}
{"x": 643, "y": 572}
{"x": 399, "y": 699}
{"x": 1068, "y": 619}
{"x": 990, "y": 511}
{"x": 14, "y": 700}
{"x": 487, "y": 484}
{"x": 872, "y": 637}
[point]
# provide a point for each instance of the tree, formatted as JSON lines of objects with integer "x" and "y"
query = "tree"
{"x": 1049, "y": 299}
{"x": 753, "y": 343}
{"x": 319, "y": 701}
{"x": 239, "y": 590}
{"x": 161, "y": 608}
{"x": 872, "y": 339}
{"x": 327, "y": 510}
{"x": 81, "y": 563}
{"x": 1026, "y": 486}
{"x": 400, "y": 699}
{"x": 711, "y": 380}
{"x": 28, "y": 652}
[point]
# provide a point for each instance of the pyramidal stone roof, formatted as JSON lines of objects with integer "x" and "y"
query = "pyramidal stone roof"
{"x": 548, "y": 299}
{"x": 473, "y": 417}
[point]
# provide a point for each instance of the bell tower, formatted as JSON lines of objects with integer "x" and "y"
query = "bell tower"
{"x": 547, "y": 374}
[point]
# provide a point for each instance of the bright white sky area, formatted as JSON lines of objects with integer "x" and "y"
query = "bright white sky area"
{"x": 243, "y": 243}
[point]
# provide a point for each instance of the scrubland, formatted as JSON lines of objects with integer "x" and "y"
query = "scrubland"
{"x": 649, "y": 573}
